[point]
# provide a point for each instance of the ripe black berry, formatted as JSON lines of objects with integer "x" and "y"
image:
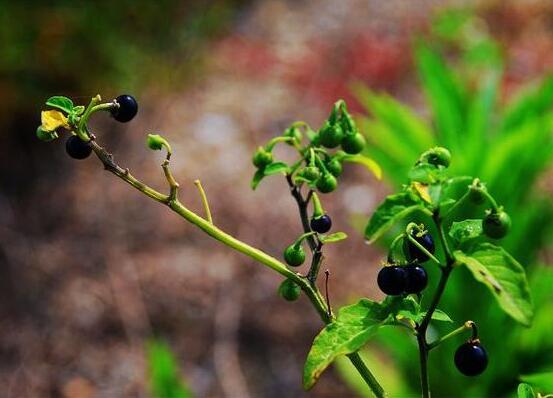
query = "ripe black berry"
{"x": 321, "y": 224}
{"x": 417, "y": 278}
{"x": 413, "y": 253}
{"x": 392, "y": 280}
{"x": 471, "y": 358}
{"x": 77, "y": 148}
{"x": 127, "y": 109}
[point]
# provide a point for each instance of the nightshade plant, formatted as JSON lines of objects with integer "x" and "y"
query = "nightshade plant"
{"x": 442, "y": 241}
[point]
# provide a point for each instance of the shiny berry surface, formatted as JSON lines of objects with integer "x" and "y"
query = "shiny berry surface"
{"x": 392, "y": 280}
{"x": 77, "y": 148}
{"x": 414, "y": 253}
{"x": 471, "y": 359}
{"x": 417, "y": 279}
{"x": 321, "y": 224}
{"x": 127, "y": 109}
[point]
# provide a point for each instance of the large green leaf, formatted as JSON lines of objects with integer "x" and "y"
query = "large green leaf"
{"x": 393, "y": 209}
{"x": 504, "y": 277}
{"x": 543, "y": 382}
{"x": 353, "y": 327}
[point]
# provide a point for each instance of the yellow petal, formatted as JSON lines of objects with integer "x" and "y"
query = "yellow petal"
{"x": 422, "y": 189}
{"x": 52, "y": 120}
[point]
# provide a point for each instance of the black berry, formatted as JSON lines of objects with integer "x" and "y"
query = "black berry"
{"x": 471, "y": 358}
{"x": 77, "y": 148}
{"x": 321, "y": 224}
{"x": 413, "y": 253}
{"x": 127, "y": 109}
{"x": 392, "y": 280}
{"x": 417, "y": 279}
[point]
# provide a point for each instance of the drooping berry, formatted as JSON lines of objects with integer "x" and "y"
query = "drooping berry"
{"x": 326, "y": 183}
{"x": 392, "y": 280}
{"x": 77, "y": 148}
{"x": 471, "y": 358}
{"x": 331, "y": 135}
{"x": 294, "y": 255}
{"x": 353, "y": 143}
{"x": 438, "y": 156}
{"x": 413, "y": 252}
{"x": 496, "y": 224}
{"x": 289, "y": 290}
{"x": 417, "y": 279}
{"x": 334, "y": 166}
{"x": 311, "y": 173}
{"x": 262, "y": 158}
{"x": 127, "y": 109}
{"x": 321, "y": 224}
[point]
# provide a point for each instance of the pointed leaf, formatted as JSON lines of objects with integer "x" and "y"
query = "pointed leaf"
{"x": 464, "y": 230}
{"x": 504, "y": 277}
{"x": 370, "y": 164}
{"x": 335, "y": 237}
{"x": 257, "y": 177}
{"x": 393, "y": 209}
{"x": 275, "y": 168}
{"x": 61, "y": 103}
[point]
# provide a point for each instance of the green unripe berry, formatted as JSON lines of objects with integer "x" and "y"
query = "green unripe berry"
{"x": 476, "y": 195}
{"x": 496, "y": 224}
{"x": 353, "y": 143}
{"x": 311, "y": 173}
{"x": 327, "y": 183}
{"x": 289, "y": 290}
{"x": 262, "y": 158}
{"x": 331, "y": 135}
{"x": 334, "y": 166}
{"x": 294, "y": 255}
{"x": 438, "y": 156}
{"x": 294, "y": 133}
{"x": 46, "y": 136}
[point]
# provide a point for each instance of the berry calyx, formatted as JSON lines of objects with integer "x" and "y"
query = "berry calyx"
{"x": 321, "y": 224}
{"x": 496, "y": 224}
{"x": 353, "y": 143}
{"x": 289, "y": 290}
{"x": 127, "y": 109}
{"x": 413, "y": 252}
{"x": 294, "y": 255}
{"x": 262, "y": 158}
{"x": 417, "y": 279}
{"x": 471, "y": 358}
{"x": 77, "y": 148}
{"x": 334, "y": 166}
{"x": 327, "y": 183}
{"x": 331, "y": 135}
{"x": 392, "y": 280}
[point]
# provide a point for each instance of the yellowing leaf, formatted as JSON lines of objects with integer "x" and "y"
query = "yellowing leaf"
{"x": 422, "y": 189}
{"x": 52, "y": 120}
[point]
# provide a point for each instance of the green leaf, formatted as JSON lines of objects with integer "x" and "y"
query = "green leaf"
{"x": 525, "y": 391}
{"x": 426, "y": 173}
{"x": 335, "y": 237}
{"x": 257, "y": 177}
{"x": 275, "y": 168}
{"x": 370, "y": 164}
{"x": 61, "y": 103}
{"x": 78, "y": 110}
{"x": 464, "y": 230}
{"x": 439, "y": 315}
{"x": 504, "y": 277}
{"x": 163, "y": 372}
{"x": 541, "y": 381}
{"x": 393, "y": 209}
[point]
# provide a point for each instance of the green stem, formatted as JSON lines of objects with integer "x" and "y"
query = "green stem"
{"x": 423, "y": 249}
{"x": 423, "y": 358}
{"x": 457, "y": 204}
{"x": 365, "y": 373}
{"x": 467, "y": 325}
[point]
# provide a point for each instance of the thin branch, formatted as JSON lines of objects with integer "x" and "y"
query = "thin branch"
{"x": 173, "y": 184}
{"x": 205, "y": 203}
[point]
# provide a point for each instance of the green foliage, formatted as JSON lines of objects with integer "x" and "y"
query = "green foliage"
{"x": 504, "y": 277}
{"x": 543, "y": 382}
{"x": 163, "y": 371}
{"x": 525, "y": 391}
{"x": 335, "y": 237}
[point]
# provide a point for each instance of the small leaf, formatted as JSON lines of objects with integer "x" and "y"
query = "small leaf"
{"x": 52, "y": 120}
{"x": 439, "y": 315}
{"x": 370, "y": 164}
{"x": 78, "y": 110}
{"x": 46, "y": 136}
{"x": 393, "y": 209}
{"x": 61, "y": 103}
{"x": 426, "y": 173}
{"x": 422, "y": 190}
{"x": 504, "y": 277}
{"x": 541, "y": 381}
{"x": 275, "y": 168}
{"x": 525, "y": 391}
{"x": 335, "y": 237}
{"x": 163, "y": 372}
{"x": 464, "y": 230}
{"x": 257, "y": 177}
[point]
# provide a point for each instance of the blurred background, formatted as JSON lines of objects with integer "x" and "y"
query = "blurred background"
{"x": 91, "y": 271}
